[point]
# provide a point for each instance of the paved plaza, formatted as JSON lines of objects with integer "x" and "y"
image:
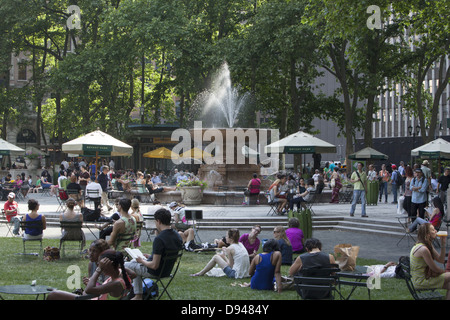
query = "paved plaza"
{"x": 380, "y": 247}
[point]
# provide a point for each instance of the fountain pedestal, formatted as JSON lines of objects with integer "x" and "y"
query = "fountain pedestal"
{"x": 232, "y": 171}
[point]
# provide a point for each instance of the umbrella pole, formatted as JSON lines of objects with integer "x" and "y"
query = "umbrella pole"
{"x": 96, "y": 163}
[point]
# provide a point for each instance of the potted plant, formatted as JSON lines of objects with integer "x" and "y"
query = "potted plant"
{"x": 192, "y": 191}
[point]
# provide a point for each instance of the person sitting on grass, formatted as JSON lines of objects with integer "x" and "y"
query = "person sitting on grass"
{"x": 295, "y": 235}
{"x": 265, "y": 266}
{"x": 251, "y": 241}
{"x": 95, "y": 250}
{"x": 284, "y": 243}
{"x": 234, "y": 261}
{"x": 115, "y": 287}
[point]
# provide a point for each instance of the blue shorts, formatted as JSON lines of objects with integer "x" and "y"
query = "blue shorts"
{"x": 229, "y": 272}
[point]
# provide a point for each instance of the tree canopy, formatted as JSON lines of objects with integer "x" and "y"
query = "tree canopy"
{"x": 142, "y": 61}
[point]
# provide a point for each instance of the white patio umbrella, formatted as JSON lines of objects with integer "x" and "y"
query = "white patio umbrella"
{"x": 9, "y": 149}
{"x": 368, "y": 154}
{"x": 436, "y": 149}
{"x": 300, "y": 142}
{"x": 97, "y": 143}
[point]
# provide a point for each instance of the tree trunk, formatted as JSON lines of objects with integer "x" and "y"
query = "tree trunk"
{"x": 369, "y": 120}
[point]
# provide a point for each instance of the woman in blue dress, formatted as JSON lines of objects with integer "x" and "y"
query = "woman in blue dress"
{"x": 265, "y": 268}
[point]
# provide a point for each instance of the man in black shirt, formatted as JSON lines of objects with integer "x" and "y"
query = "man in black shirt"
{"x": 443, "y": 183}
{"x": 167, "y": 240}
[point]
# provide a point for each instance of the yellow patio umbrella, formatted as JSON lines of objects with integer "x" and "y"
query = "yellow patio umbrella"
{"x": 161, "y": 153}
{"x": 195, "y": 153}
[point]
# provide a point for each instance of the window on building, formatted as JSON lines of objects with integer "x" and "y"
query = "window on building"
{"x": 22, "y": 71}
{"x": 26, "y": 136}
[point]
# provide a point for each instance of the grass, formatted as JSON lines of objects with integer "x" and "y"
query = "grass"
{"x": 22, "y": 269}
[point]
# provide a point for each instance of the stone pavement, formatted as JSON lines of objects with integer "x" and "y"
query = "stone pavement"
{"x": 372, "y": 245}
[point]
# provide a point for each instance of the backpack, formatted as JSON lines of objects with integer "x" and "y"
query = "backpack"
{"x": 63, "y": 195}
{"x": 398, "y": 269}
{"x": 148, "y": 285}
{"x": 89, "y": 214}
{"x": 399, "y": 179}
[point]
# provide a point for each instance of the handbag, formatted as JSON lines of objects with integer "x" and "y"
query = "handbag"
{"x": 333, "y": 183}
{"x": 51, "y": 253}
{"x": 287, "y": 283}
{"x": 346, "y": 255}
{"x": 246, "y": 192}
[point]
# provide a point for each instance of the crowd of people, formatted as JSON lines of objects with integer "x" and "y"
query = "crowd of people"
{"x": 239, "y": 256}
{"x": 424, "y": 199}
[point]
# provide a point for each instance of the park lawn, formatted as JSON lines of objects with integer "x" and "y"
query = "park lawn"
{"x": 23, "y": 269}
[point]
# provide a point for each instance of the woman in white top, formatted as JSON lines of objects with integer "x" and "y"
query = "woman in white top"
{"x": 234, "y": 261}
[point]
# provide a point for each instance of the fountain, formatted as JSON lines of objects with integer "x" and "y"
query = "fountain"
{"x": 221, "y": 97}
{"x": 220, "y": 107}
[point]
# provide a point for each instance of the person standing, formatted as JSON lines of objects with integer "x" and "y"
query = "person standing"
{"x": 111, "y": 164}
{"x": 402, "y": 171}
{"x": 427, "y": 174}
{"x": 254, "y": 187}
{"x": 359, "y": 180}
{"x": 104, "y": 182}
{"x": 408, "y": 193}
{"x": 84, "y": 178}
{"x": 372, "y": 174}
{"x": 419, "y": 187}
{"x": 337, "y": 185}
{"x": 394, "y": 182}
{"x": 443, "y": 183}
{"x": 385, "y": 176}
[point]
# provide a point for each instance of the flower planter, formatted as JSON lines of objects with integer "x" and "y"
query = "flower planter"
{"x": 191, "y": 195}
{"x": 32, "y": 163}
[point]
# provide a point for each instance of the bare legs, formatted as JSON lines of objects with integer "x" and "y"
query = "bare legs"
{"x": 218, "y": 259}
